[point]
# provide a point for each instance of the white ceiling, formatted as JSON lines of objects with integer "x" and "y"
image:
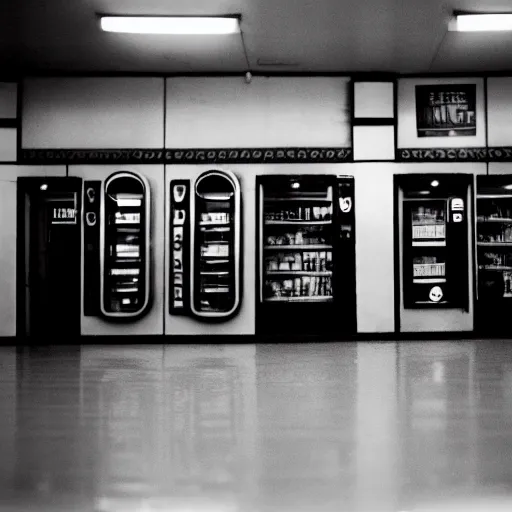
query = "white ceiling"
{"x": 403, "y": 36}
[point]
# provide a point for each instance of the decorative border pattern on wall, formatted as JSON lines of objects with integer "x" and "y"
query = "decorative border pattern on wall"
{"x": 442, "y": 154}
{"x": 501, "y": 154}
{"x": 186, "y": 156}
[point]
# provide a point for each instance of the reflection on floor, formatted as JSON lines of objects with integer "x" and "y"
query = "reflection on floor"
{"x": 424, "y": 427}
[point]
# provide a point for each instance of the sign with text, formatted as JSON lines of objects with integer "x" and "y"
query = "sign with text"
{"x": 180, "y": 245}
{"x": 446, "y": 110}
{"x": 63, "y": 211}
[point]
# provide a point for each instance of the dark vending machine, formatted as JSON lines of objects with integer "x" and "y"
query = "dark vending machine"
{"x": 306, "y": 255}
{"x": 494, "y": 253}
{"x": 125, "y": 246}
{"x": 435, "y": 240}
{"x": 206, "y": 237}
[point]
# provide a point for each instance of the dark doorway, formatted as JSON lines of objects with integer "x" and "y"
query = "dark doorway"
{"x": 48, "y": 256}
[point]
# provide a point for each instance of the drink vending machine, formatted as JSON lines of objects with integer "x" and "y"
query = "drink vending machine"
{"x": 435, "y": 241}
{"x": 117, "y": 246}
{"x": 205, "y": 246}
{"x": 306, "y": 255}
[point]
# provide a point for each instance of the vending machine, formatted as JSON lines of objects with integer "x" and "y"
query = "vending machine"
{"x": 494, "y": 253}
{"x": 205, "y": 240}
{"x": 306, "y": 255}
{"x": 434, "y": 213}
{"x": 117, "y": 246}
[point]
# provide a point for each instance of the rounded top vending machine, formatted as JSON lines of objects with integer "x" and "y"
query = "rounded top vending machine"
{"x": 125, "y": 245}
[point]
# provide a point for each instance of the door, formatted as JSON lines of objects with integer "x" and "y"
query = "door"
{"x": 48, "y": 255}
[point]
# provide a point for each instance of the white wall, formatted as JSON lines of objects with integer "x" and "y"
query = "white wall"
{"x": 374, "y": 245}
{"x": 500, "y": 168}
{"x": 152, "y": 322}
{"x": 81, "y": 113}
{"x": 268, "y": 112}
{"x": 8, "y": 215}
{"x": 499, "y": 105}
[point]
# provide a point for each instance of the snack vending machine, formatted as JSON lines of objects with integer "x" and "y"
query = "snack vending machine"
{"x": 124, "y": 244}
{"x": 435, "y": 241}
{"x": 206, "y": 246}
{"x": 494, "y": 253}
{"x": 306, "y": 255}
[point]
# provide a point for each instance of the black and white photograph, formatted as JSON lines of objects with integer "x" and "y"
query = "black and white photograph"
{"x": 446, "y": 110}
{"x": 255, "y": 256}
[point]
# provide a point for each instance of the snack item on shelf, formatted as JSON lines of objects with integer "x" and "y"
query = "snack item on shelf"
{"x": 297, "y": 287}
{"x": 288, "y": 287}
{"x": 299, "y": 240}
{"x": 322, "y": 261}
{"x": 328, "y": 263}
{"x": 290, "y": 238}
{"x": 212, "y": 250}
{"x": 306, "y": 285}
{"x": 297, "y": 264}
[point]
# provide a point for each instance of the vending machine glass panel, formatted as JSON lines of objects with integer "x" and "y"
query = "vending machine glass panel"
{"x": 297, "y": 243}
{"x": 125, "y": 245}
{"x": 435, "y": 242}
{"x": 216, "y": 245}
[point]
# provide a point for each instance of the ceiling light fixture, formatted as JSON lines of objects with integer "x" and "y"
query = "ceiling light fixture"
{"x": 435, "y": 183}
{"x": 482, "y": 22}
{"x": 180, "y": 25}
{"x": 508, "y": 187}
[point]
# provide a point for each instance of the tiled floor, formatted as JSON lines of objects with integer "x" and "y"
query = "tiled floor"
{"x": 420, "y": 426}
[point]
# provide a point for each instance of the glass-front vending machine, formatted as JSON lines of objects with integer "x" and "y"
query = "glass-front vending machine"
{"x": 494, "y": 253}
{"x": 206, "y": 239}
{"x": 125, "y": 246}
{"x": 306, "y": 255}
{"x": 435, "y": 243}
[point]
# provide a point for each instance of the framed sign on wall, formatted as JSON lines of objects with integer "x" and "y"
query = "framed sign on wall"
{"x": 446, "y": 110}
{"x": 441, "y": 119}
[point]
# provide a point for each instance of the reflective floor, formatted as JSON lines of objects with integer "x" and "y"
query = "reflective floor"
{"x": 319, "y": 427}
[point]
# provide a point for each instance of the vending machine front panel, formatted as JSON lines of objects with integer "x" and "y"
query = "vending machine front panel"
{"x": 216, "y": 245}
{"x": 435, "y": 238}
{"x": 125, "y": 245}
{"x": 179, "y": 282}
{"x": 91, "y": 223}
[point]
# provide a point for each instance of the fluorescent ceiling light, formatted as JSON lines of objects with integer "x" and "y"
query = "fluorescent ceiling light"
{"x": 483, "y": 22}
{"x": 170, "y": 25}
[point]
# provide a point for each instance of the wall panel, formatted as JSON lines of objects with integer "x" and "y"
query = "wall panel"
{"x": 8, "y": 100}
{"x": 499, "y": 104}
{"x": 93, "y": 113}
{"x": 268, "y": 112}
